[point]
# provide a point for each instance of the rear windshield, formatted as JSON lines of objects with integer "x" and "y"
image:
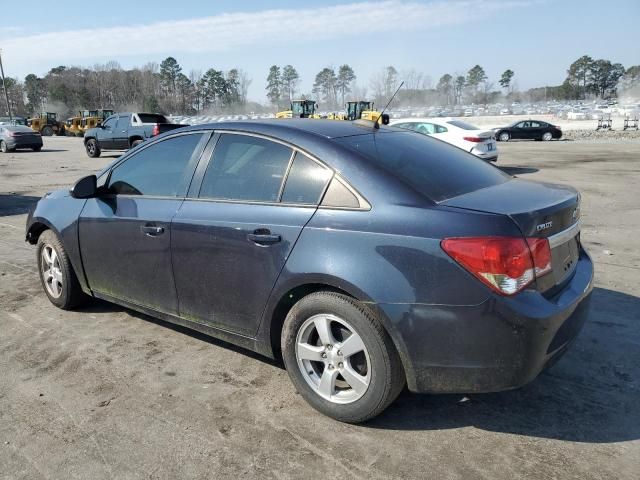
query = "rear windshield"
{"x": 463, "y": 125}
{"x": 428, "y": 165}
{"x": 152, "y": 118}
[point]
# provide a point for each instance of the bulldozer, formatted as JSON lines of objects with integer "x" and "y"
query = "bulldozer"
{"x": 300, "y": 109}
{"x": 47, "y": 124}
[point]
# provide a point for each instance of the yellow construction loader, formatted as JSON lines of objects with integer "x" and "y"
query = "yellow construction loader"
{"x": 47, "y": 124}
{"x": 300, "y": 109}
{"x": 93, "y": 118}
{"x": 73, "y": 127}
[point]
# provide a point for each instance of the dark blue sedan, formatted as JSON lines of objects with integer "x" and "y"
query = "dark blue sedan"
{"x": 368, "y": 258}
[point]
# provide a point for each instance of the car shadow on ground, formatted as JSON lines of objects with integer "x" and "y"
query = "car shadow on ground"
{"x": 101, "y": 306}
{"x": 518, "y": 170}
{"x": 25, "y": 150}
{"x": 591, "y": 395}
{"x": 16, "y": 204}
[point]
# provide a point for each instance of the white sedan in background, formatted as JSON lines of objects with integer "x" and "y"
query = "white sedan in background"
{"x": 480, "y": 143}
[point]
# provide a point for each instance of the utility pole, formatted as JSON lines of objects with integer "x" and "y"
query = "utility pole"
{"x": 4, "y": 87}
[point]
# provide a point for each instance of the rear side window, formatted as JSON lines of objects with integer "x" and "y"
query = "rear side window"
{"x": 246, "y": 168}
{"x": 463, "y": 125}
{"x": 306, "y": 181}
{"x": 152, "y": 118}
{"x": 160, "y": 169}
{"x": 429, "y": 166}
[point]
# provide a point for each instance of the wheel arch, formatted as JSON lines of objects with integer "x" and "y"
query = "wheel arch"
{"x": 135, "y": 138}
{"x": 281, "y": 303}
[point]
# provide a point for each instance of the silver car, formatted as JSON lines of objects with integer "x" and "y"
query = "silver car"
{"x": 13, "y": 137}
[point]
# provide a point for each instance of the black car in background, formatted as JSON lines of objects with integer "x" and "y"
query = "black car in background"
{"x": 528, "y": 130}
{"x": 13, "y": 137}
{"x": 367, "y": 257}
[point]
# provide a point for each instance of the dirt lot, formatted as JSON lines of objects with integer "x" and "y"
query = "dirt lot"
{"x": 108, "y": 393}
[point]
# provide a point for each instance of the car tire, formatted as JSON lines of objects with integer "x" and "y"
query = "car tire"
{"x": 3, "y": 147}
{"x": 58, "y": 279}
{"x": 504, "y": 137}
{"x": 547, "y": 136}
{"x": 92, "y": 148}
{"x": 36, "y": 149}
{"x": 47, "y": 131}
{"x": 135, "y": 143}
{"x": 350, "y": 386}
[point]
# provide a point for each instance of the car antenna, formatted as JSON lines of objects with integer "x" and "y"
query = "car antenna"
{"x": 376, "y": 125}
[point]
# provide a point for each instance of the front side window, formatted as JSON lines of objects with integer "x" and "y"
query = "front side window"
{"x": 246, "y": 168}
{"x": 123, "y": 122}
{"x": 158, "y": 170}
{"x": 110, "y": 123}
{"x": 306, "y": 181}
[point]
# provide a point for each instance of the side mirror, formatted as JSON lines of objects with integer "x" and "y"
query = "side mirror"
{"x": 385, "y": 119}
{"x": 86, "y": 187}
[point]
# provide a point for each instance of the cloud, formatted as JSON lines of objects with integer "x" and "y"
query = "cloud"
{"x": 236, "y": 31}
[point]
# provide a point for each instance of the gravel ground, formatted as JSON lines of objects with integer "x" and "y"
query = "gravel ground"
{"x": 104, "y": 392}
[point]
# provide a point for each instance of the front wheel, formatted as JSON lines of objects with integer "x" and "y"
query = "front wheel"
{"x": 58, "y": 279}
{"x": 340, "y": 358}
{"x": 546, "y": 136}
{"x": 504, "y": 137}
{"x": 3, "y": 147}
{"x": 92, "y": 147}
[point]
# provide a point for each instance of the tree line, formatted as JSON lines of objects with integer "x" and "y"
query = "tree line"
{"x": 166, "y": 88}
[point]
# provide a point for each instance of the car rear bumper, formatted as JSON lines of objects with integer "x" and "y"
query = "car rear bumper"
{"x": 500, "y": 344}
{"x": 23, "y": 143}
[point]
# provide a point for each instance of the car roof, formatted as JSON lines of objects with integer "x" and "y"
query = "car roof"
{"x": 287, "y": 128}
{"x": 18, "y": 128}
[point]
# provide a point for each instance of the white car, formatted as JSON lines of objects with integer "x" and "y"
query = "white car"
{"x": 480, "y": 143}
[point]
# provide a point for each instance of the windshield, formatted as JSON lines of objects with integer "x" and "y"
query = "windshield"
{"x": 429, "y": 166}
{"x": 463, "y": 125}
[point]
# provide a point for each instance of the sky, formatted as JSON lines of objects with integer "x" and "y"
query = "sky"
{"x": 538, "y": 39}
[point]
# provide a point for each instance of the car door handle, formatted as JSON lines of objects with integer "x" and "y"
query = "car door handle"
{"x": 152, "y": 231}
{"x": 263, "y": 237}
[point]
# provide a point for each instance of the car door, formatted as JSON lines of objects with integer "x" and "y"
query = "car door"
{"x": 520, "y": 131}
{"x": 535, "y": 130}
{"x": 125, "y": 232}
{"x": 121, "y": 132}
{"x": 232, "y": 235}
{"x": 106, "y": 131}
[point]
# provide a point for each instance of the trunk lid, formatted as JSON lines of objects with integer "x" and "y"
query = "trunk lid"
{"x": 542, "y": 210}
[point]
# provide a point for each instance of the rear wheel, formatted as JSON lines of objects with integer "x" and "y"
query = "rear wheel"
{"x": 504, "y": 137}
{"x": 546, "y": 136}
{"x": 135, "y": 143}
{"x": 340, "y": 358}
{"x": 47, "y": 131}
{"x": 58, "y": 279}
{"x": 36, "y": 149}
{"x": 92, "y": 147}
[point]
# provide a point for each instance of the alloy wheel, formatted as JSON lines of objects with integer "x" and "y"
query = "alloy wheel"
{"x": 51, "y": 271}
{"x": 333, "y": 358}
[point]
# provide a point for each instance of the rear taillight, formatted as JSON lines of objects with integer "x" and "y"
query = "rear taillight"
{"x": 11, "y": 134}
{"x": 506, "y": 264}
{"x": 474, "y": 139}
{"x": 156, "y": 130}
